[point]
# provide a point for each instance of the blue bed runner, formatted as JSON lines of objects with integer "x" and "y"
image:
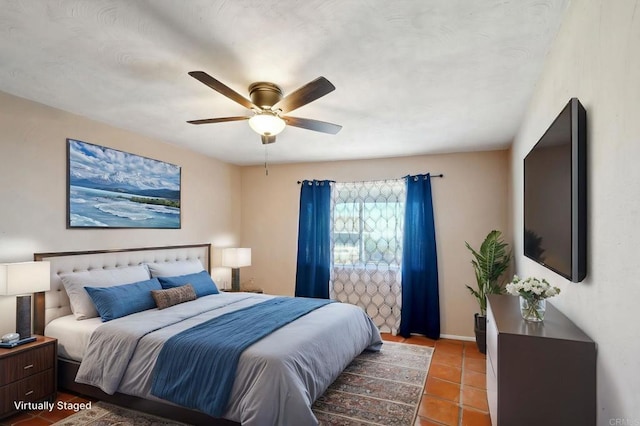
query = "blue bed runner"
{"x": 196, "y": 368}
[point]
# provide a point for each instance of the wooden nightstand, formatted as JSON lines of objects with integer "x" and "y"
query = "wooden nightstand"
{"x": 28, "y": 374}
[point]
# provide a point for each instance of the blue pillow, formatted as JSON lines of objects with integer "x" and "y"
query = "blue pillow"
{"x": 119, "y": 301}
{"x": 201, "y": 282}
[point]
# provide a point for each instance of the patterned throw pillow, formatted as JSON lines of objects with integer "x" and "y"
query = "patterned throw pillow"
{"x": 173, "y": 296}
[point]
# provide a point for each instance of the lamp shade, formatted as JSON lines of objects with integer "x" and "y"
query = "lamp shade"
{"x": 236, "y": 257}
{"x": 24, "y": 278}
{"x": 267, "y": 124}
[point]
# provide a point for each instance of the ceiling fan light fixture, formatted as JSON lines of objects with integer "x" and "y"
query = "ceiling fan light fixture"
{"x": 267, "y": 123}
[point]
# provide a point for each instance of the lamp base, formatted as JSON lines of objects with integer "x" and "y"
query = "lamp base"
{"x": 23, "y": 316}
{"x": 235, "y": 279}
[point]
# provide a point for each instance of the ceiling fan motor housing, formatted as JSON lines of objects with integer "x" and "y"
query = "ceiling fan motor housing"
{"x": 265, "y": 94}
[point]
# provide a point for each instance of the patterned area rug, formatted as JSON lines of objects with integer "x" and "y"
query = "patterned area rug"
{"x": 103, "y": 414}
{"x": 377, "y": 388}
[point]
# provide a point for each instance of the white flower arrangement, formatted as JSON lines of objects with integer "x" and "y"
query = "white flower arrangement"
{"x": 531, "y": 288}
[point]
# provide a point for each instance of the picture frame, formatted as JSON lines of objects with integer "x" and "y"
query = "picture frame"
{"x": 109, "y": 188}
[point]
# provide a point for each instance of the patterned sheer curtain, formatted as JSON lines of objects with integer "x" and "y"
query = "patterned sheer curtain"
{"x": 366, "y": 242}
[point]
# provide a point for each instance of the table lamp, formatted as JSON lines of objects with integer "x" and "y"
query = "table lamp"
{"x": 22, "y": 280}
{"x": 236, "y": 258}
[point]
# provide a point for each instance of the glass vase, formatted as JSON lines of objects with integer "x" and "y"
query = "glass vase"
{"x": 532, "y": 309}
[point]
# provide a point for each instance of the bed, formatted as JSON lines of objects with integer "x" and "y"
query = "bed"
{"x": 277, "y": 379}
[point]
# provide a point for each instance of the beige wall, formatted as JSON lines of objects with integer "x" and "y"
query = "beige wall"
{"x": 33, "y": 189}
{"x": 469, "y": 201}
{"x": 596, "y": 58}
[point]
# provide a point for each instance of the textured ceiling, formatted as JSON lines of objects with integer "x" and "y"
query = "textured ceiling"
{"x": 412, "y": 77}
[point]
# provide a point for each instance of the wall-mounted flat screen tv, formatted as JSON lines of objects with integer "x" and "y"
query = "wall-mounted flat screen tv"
{"x": 555, "y": 195}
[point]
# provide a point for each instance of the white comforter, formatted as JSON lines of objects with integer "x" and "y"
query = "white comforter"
{"x": 278, "y": 377}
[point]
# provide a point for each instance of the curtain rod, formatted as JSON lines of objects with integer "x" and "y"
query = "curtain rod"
{"x": 434, "y": 176}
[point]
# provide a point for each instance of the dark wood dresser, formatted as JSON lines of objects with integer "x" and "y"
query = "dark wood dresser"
{"x": 28, "y": 374}
{"x": 538, "y": 373}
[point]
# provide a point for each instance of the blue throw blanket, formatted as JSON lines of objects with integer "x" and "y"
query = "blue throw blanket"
{"x": 196, "y": 368}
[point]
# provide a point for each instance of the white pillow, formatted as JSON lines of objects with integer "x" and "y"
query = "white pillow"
{"x": 174, "y": 269}
{"x": 74, "y": 283}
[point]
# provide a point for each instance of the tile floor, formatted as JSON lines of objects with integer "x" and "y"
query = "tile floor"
{"x": 455, "y": 394}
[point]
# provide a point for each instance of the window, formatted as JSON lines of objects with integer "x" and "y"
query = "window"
{"x": 367, "y": 232}
{"x": 366, "y": 243}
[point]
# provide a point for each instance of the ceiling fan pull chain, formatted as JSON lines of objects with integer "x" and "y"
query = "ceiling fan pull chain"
{"x": 266, "y": 159}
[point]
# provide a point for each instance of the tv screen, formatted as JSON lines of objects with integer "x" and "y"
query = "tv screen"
{"x": 555, "y": 189}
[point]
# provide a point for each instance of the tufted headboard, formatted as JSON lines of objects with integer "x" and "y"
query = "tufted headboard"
{"x": 54, "y": 303}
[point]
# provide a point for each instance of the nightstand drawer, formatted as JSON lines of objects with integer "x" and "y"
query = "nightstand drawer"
{"x": 32, "y": 389}
{"x": 37, "y": 387}
{"x": 26, "y": 363}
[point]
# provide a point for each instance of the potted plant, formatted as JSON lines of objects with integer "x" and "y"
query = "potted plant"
{"x": 489, "y": 263}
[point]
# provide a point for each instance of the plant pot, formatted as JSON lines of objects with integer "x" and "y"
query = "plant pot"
{"x": 481, "y": 332}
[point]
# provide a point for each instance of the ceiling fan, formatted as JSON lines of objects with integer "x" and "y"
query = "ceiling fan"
{"x": 269, "y": 105}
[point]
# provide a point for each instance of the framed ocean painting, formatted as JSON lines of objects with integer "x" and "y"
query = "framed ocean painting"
{"x": 108, "y": 188}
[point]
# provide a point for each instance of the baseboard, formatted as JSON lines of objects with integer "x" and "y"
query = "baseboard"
{"x": 454, "y": 337}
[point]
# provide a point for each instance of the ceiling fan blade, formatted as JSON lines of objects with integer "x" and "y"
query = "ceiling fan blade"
{"x": 217, "y": 120}
{"x": 318, "y": 126}
{"x": 304, "y": 95}
{"x": 205, "y": 78}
